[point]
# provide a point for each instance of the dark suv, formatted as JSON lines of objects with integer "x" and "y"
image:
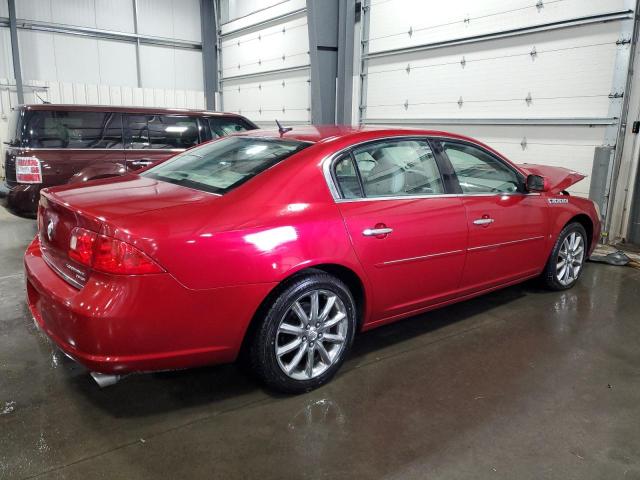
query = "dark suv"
{"x": 55, "y": 144}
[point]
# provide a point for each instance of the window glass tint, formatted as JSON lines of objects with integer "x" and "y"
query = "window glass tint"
{"x": 220, "y": 166}
{"x": 51, "y": 129}
{"x": 397, "y": 168}
{"x": 221, "y": 127}
{"x": 161, "y": 132}
{"x": 347, "y": 178}
{"x": 480, "y": 172}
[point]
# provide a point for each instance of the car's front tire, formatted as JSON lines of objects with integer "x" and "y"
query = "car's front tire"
{"x": 566, "y": 262}
{"x": 305, "y": 335}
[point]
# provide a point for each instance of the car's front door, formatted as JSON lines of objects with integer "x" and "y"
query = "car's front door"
{"x": 150, "y": 139}
{"x": 409, "y": 233}
{"x": 507, "y": 226}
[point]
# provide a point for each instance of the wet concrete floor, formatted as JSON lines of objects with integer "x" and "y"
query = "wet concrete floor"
{"x": 520, "y": 384}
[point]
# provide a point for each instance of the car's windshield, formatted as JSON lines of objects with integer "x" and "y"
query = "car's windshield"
{"x": 220, "y": 166}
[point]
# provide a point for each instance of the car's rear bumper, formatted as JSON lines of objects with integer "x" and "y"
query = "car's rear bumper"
{"x": 21, "y": 198}
{"x": 122, "y": 324}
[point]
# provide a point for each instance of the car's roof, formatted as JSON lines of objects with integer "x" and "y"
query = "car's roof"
{"x": 325, "y": 133}
{"x": 123, "y": 109}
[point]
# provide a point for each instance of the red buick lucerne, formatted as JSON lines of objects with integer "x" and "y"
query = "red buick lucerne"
{"x": 281, "y": 245}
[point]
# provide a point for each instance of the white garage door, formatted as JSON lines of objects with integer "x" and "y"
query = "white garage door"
{"x": 265, "y": 67}
{"x": 537, "y": 80}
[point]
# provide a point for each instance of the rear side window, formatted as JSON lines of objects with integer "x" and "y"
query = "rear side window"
{"x": 60, "y": 129}
{"x": 161, "y": 132}
{"x": 223, "y": 165}
{"x": 221, "y": 127}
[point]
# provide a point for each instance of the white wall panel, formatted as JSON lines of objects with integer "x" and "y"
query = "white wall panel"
{"x": 277, "y": 46}
{"x": 117, "y": 63}
{"x": 391, "y": 20}
{"x": 164, "y": 67}
{"x": 114, "y": 15}
{"x": 178, "y": 19}
{"x": 34, "y": 10}
{"x": 37, "y": 55}
{"x": 283, "y": 96}
{"x": 6, "y": 61}
{"x": 76, "y": 59}
{"x": 4, "y": 8}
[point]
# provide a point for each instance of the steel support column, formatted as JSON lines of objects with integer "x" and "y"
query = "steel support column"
{"x": 344, "y": 87}
{"x": 322, "y": 17}
{"x": 15, "y": 50}
{"x": 208, "y": 23}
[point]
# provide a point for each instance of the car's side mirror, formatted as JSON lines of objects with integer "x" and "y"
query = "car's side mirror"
{"x": 536, "y": 183}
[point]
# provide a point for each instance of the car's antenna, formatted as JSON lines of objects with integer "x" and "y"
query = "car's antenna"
{"x": 282, "y": 129}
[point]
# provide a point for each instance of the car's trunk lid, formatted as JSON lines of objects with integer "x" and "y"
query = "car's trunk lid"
{"x": 94, "y": 207}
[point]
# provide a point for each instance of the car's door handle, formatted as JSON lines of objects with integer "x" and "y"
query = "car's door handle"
{"x": 374, "y": 232}
{"x": 143, "y": 162}
{"x": 483, "y": 221}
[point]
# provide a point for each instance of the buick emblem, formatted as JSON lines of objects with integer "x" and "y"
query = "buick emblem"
{"x": 51, "y": 227}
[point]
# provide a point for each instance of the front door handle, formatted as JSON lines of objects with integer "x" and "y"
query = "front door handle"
{"x": 375, "y": 232}
{"x": 483, "y": 221}
{"x": 143, "y": 162}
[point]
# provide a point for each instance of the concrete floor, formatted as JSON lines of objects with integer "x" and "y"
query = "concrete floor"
{"x": 521, "y": 384}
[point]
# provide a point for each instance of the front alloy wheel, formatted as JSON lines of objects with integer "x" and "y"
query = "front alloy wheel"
{"x": 305, "y": 334}
{"x": 567, "y": 258}
{"x": 570, "y": 259}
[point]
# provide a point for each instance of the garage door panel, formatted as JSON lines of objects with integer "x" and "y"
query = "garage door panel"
{"x": 284, "y": 96}
{"x": 283, "y": 45}
{"x": 497, "y": 77}
{"x": 392, "y": 21}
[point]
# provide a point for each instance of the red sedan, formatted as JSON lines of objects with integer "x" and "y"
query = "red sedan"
{"x": 280, "y": 246}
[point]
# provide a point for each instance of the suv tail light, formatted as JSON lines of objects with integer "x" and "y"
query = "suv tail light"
{"x": 109, "y": 255}
{"x": 28, "y": 170}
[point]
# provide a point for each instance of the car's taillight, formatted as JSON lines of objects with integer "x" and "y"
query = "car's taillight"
{"x": 28, "y": 170}
{"x": 109, "y": 255}
{"x": 81, "y": 246}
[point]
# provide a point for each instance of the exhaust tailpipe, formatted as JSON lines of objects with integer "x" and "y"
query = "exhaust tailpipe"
{"x": 104, "y": 380}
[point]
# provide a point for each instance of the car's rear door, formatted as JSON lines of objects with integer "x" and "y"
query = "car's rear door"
{"x": 408, "y": 231}
{"x": 150, "y": 139}
{"x": 507, "y": 226}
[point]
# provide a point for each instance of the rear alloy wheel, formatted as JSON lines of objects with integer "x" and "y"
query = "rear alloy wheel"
{"x": 306, "y": 334}
{"x": 567, "y": 258}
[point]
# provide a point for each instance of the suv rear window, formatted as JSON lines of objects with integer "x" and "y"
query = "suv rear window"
{"x": 221, "y": 127}
{"x": 225, "y": 164}
{"x": 62, "y": 129}
{"x": 13, "y": 138}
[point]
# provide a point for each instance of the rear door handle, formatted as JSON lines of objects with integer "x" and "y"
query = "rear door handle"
{"x": 374, "y": 232}
{"x": 483, "y": 221}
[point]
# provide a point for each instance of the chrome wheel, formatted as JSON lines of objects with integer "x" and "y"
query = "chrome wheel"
{"x": 311, "y": 335}
{"x": 570, "y": 258}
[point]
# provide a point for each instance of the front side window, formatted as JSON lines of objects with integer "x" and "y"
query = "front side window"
{"x": 480, "y": 172}
{"x": 392, "y": 168}
{"x": 225, "y": 164}
{"x": 161, "y": 132}
{"x": 221, "y": 126}
{"x": 60, "y": 129}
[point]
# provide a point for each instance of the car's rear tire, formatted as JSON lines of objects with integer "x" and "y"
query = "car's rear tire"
{"x": 305, "y": 335}
{"x": 566, "y": 262}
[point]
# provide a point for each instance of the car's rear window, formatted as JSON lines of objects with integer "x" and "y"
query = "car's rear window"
{"x": 225, "y": 164}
